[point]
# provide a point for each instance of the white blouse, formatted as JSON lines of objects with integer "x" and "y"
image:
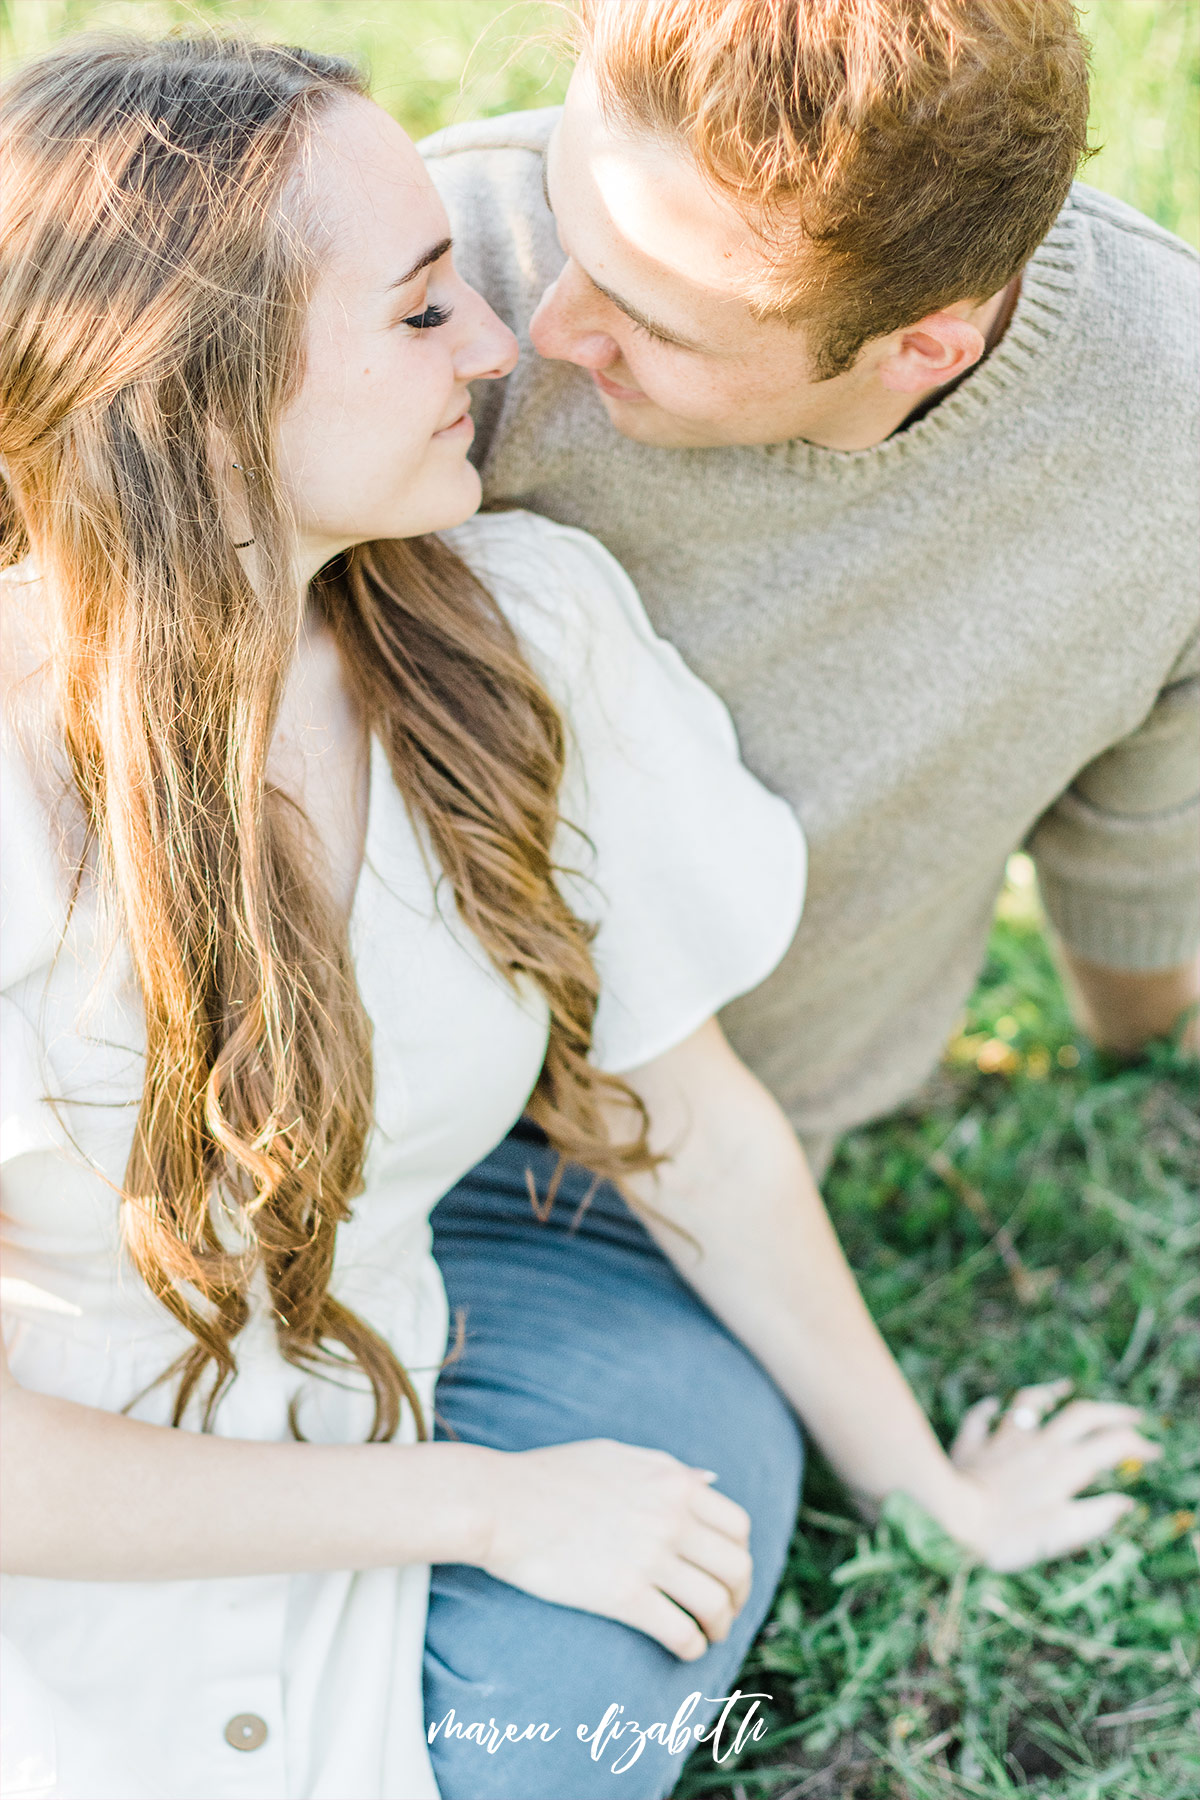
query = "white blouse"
{"x": 694, "y": 874}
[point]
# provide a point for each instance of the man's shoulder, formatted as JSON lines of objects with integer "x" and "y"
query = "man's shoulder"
{"x": 522, "y": 132}
{"x": 1138, "y": 325}
{"x": 1131, "y": 231}
{"x": 1143, "y": 278}
{"x": 489, "y": 173}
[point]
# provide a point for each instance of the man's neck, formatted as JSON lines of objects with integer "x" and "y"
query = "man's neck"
{"x": 993, "y": 322}
{"x": 859, "y": 412}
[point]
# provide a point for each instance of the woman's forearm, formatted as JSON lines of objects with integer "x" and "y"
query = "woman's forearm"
{"x": 629, "y": 1533}
{"x": 91, "y": 1495}
{"x": 766, "y": 1259}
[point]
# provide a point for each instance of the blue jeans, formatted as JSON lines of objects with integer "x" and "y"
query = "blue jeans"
{"x": 580, "y": 1333}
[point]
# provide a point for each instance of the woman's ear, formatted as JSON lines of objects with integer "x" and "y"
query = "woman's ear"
{"x": 231, "y": 478}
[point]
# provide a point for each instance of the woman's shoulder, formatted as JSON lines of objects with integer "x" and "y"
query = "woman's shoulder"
{"x": 38, "y": 827}
{"x": 559, "y": 587}
{"x": 24, "y": 646}
{"x": 517, "y": 542}
{"x": 580, "y": 617}
{"x": 692, "y": 871}
{"x": 22, "y": 618}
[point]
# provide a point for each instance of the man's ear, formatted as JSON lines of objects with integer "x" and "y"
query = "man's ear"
{"x": 934, "y": 351}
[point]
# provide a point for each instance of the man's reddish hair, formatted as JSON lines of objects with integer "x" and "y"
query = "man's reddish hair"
{"x": 897, "y": 155}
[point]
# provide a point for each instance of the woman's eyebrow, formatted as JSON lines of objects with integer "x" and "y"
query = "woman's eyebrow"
{"x": 432, "y": 255}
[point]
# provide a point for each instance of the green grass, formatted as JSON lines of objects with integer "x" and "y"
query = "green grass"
{"x": 437, "y": 60}
{"x": 1146, "y": 107}
{"x": 431, "y": 61}
{"x": 895, "y": 1669}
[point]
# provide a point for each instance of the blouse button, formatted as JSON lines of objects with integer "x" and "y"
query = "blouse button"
{"x": 246, "y": 1731}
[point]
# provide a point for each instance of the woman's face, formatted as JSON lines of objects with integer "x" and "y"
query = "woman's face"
{"x": 374, "y": 444}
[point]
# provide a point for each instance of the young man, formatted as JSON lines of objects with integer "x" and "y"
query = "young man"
{"x": 898, "y": 443}
{"x": 895, "y": 430}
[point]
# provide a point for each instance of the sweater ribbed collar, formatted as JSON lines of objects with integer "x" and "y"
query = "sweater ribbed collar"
{"x": 1043, "y": 314}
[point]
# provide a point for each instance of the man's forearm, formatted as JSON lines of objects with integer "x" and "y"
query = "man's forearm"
{"x": 1126, "y": 1009}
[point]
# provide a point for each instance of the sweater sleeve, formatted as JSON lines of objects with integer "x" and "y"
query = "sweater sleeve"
{"x": 1118, "y": 854}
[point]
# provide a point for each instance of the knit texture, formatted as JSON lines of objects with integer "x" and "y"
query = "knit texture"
{"x": 979, "y": 634}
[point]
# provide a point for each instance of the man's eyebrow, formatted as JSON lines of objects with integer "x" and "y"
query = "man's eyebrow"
{"x": 434, "y": 254}
{"x": 631, "y": 312}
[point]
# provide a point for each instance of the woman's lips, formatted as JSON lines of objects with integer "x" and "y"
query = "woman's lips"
{"x": 614, "y": 390}
{"x": 464, "y": 425}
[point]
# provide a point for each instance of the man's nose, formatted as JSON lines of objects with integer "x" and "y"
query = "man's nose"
{"x": 561, "y": 331}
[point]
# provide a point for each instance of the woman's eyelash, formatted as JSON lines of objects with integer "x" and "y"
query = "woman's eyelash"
{"x": 429, "y": 319}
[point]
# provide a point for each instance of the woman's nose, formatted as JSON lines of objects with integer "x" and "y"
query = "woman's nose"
{"x": 561, "y": 332}
{"x": 490, "y": 350}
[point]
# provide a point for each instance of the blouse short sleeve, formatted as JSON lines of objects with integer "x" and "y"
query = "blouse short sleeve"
{"x": 692, "y": 871}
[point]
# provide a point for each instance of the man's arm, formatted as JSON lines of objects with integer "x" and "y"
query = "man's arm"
{"x": 1126, "y": 1009}
{"x": 1118, "y": 862}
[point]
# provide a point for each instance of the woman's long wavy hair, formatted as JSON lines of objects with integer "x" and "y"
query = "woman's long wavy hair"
{"x": 154, "y": 274}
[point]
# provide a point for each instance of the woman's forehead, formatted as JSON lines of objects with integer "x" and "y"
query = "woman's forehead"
{"x": 367, "y": 186}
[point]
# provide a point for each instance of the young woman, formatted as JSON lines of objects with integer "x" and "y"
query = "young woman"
{"x": 332, "y": 848}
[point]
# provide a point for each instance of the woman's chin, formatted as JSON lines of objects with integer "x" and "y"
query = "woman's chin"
{"x": 451, "y": 501}
{"x": 459, "y": 503}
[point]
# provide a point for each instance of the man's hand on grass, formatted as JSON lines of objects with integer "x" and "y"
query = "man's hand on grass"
{"x": 1022, "y": 1474}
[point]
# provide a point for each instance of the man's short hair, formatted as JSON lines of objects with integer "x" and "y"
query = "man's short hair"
{"x": 896, "y": 155}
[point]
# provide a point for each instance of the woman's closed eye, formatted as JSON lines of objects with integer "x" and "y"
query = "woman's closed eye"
{"x": 429, "y": 318}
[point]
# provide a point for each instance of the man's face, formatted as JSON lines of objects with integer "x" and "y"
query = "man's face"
{"x": 652, "y": 300}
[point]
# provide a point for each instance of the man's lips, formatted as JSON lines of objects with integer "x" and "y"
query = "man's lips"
{"x": 614, "y": 390}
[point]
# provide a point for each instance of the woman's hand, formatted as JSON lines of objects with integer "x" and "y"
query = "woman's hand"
{"x": 1018, "y": 1506}
{"x": 632, "y": 1534}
